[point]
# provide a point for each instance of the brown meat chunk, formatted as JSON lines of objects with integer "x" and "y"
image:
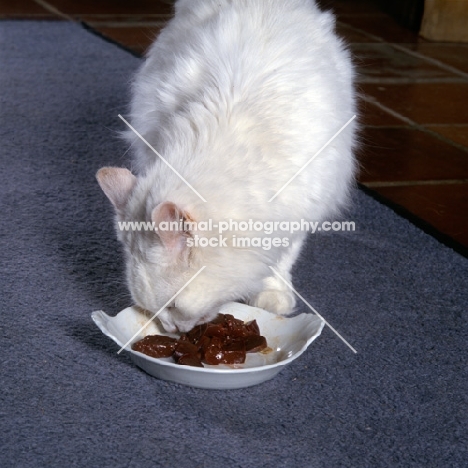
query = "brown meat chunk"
{"x": 255, "y": 343}
{"x": 189, "y": 360}
{"x": 183, "y": 348}
{"x": 157, "y": 346}
{"x": 224, "y": 340}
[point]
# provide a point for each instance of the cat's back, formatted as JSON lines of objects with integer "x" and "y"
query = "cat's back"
{"x": 227, "y": 54}
{"x": 248, "y": 84}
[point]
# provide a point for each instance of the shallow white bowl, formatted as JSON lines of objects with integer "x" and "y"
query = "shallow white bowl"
{"x": 288, "y": 338}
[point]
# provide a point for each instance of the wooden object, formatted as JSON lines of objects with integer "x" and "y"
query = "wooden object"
{"x": 445, "y": 20}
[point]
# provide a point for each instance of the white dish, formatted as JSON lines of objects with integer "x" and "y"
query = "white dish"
{"x": 288, "y": 338}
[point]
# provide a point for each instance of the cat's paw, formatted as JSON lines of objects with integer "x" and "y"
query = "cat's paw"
{"x": 273, "y": 300}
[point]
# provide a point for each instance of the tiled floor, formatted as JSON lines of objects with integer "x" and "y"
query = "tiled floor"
{"x": 414, "y": 97}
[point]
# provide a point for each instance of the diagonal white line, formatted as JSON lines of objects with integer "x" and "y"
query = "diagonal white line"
{"x": 312, "y": 158}
{"x": 312, "y": 309}
{"x": 47, "y": 6}
{"x": 160, "y": 310}
{"x": 155, "y": 152}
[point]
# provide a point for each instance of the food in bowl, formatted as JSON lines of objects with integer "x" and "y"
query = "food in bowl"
{"x": 224, "y": 340}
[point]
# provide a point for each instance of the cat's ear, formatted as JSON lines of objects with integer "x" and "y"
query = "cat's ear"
{"x": 117, "y": 183}
{"x": 172, "y": 236}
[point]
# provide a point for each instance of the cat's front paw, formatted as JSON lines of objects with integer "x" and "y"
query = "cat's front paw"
{"x": 273, "y": 300}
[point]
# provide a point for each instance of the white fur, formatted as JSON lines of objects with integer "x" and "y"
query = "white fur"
{"x": 237, "y": 96}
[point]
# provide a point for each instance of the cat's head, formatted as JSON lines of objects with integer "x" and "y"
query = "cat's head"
{"x": 159, "y": 263}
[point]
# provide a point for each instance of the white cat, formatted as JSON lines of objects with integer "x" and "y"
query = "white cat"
{"x": 237, "y": 95}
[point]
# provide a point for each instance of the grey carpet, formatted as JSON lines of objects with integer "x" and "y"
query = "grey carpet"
{"x": 67, "y": 398}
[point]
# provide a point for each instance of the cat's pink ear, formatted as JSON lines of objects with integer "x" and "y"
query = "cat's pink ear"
{"x": 169, "y": 219}
{"x": 117, "y": 183}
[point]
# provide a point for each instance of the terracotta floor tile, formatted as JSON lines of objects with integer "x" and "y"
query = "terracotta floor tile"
{"x": 442, "y": 206}
{"x": 74, "y": 8}
{"x": 124, "y": 19}
{"x": 23, "y": 9}
{"x": 135, "y": 38}
{"x": 382, "y": 61}
{"x": 382, "y": 26}
{"x": 455, "y": 55}
{"x": 458, "y": 134}
{"x": 352, "y": 36}
{"x": 349, "y": 7}
{"x": 425, "y": 103}
{"x": 370, "y": 114}
{"x": 407, "y": 154}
